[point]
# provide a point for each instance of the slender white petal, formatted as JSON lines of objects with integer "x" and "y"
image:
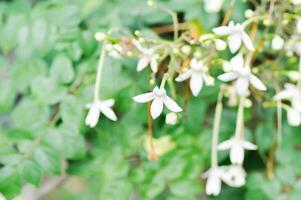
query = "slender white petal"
{"x": 229, "y": 76}
{"x": 237, "y": 62}
{"x": 242, "y": 85}
{"x": 196, "y": 83}
{"x": 283, "y": 95}
{"x": 92, "y": 117}
{"x": 142, "y": 63}
{"x": 193, "y": 63}
{"x": 139, "y": 46}
{"x": 234, "y": 42}
{"x": 109, "y": 113}
{"x": 213, "y": 184}
{"x": 226, "y": 144}
{"x": 143, "y": 98}
{"x": 154, "y": 64}
{"x": 223, "y": 30}
{"x": 156, "y": 107}
{"x": 108, "y": 102}
{"x": 293, "y": 117}
{"x": 171, "y": 104}
{"x": 237, "y": 154}
{"x": 256, "y": 82}
{"x": 247, "y": 41}
{"x": 248, "y": 145}
{"x": 184, "y": 76}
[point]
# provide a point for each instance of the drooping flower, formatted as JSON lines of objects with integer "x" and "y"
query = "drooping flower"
{"x": 214, "y": 180}
{"x": 197, "y": 74}
{"x": 236, "y": 146}
{"x": 293, "y": 94}
{"x": 159, "y": 98}
{"x": 147, "y": 57}
{"x": 237, "y": 36}
{"x": 213, "y": 6}
{"x": 243, "y": 76}
{"x": 235, "y": 176}
{"x": 100, "y": 107}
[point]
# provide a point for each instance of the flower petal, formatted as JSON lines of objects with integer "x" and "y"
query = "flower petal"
{"x": 213, "y": 184}
{"x": 256, "y": 82}
{"x": 154, "y": 64}
{"x": 237, "y": 62}
{"x": 226, "y": 144}
{"x": 109, "y": 113}
{"x": 142, "y": 63}
{"x": 237, "y": 154}
{"x": 156, "y": 107}
{"x": 283, "y": 95}
{"x": 222, "y": 30}
{"x": 248, "y": 145}
{"x": 242, "y": 85}
{"x": 293, "y": 117}
{"x": 184, "y": 76}
{"x": 229, "y": 76}
{"x": 143, "y": 98}
{"x": 139, "y": 46}
{"x": 247, "y": 41}
{"x": 196, "y": 83}
{"x": 108, "y": 102}
{"x": 171, "y": 104}
{"x": 234, "y": 42}
{"x": 92, "y": 117}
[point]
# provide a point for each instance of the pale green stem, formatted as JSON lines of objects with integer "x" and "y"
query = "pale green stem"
{"x": 99, "y": 72}
{"x": 165, "y": 77}
{"x": 253, "y": 19}
{"x": 240, "y": 118}
{"x": 174, "y": 19}
{"x": 215, "y": 132}
{"x": 299, "y": 81}
{"x": 279, "y": 123}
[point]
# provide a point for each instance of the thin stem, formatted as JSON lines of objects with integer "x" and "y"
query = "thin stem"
{"x": 165, "y": 77}
{"x": 279, "y": 123}
{"x": 99, "y": 72}
{"x": 216, "y": 126}
{"x": 240, "y": 118}
{"x": 174, "y": 19}
{"x": 228, "y": 13}
{"x": 299, "y": 81}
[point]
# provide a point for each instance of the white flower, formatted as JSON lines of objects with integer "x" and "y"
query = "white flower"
{"x": 293, "y": 94}
{"x": 236, "y": 36}
{"x": 100, "y": 107}
{"x": 236, "y": 146}
{"x": 147, "y": 57}
{"x": 296, "y": 2}
{"x": 235, "y": 176}
{"x": 197, "y": 75}
{"x": 213, "y": 6}
{"x": 171, "y": 118}
{"x": 294, "y": 45}
{"x": 159, "y": 98}
{"x": 214, "y": 180}
{"x": 277, "y": 43}
{"x": 243, "y": 76}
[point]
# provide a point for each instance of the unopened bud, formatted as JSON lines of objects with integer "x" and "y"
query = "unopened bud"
{"x": 249, "y": 13}
{"x": 277, "y": 43}
{"x": 171, "y": 118}
{"x": 220, "y": 45}
{"x": 99, "y": 36}
{"x": 186, "y": 49}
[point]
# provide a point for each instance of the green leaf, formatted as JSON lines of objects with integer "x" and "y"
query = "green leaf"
{"x": 185, "y": 188}
{"x": 31, "y": 172}
{"x": 61, "y": 69}
{"x": 72, "y": 110}
{"x": 10, "y": 183}
{"x": 48, "y": 159}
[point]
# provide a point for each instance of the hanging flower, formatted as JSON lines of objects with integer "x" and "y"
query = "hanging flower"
{"x": 235, "y": 176}
{"x": 159, "y": 98}
{"x": 213, "y": 6}
{"x": 243, "y": 76}
{"x": 214, "y": 180}
{"x": 148, "y": 57}
{"x": 237, "y": 36}
{"x": 100, "y": 107}
{"x": 197, "y": 74}
{"x": 293, "y": 94}
{"x": 236, "y": 146}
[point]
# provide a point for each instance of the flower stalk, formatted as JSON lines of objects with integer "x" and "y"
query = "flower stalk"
{"x": 99, "y": 72}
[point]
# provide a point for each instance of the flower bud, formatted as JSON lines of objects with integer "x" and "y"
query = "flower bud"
{"x": 249, "y": 13}
{"x": 99, "y": 36}
{"x": 186, "y": 49}
{"x": 267, "y": 22}
{"x": 171, "y": 118}
{"x": 277, "y": 43}
{"x": 293, "y": 75}
{"x": 220, "y": 45}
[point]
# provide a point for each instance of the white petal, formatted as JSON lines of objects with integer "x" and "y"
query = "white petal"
{"x": 154, "y": 64}
{"x": 237, "y": 154}
{"x": 213, "y": 185}
{"x": 196, "y": 83}
{"x": 139, "y": 46}
{"x": 256, "y": 82}
{"x": 248, "y": 145}
{"x": 171, "y": 104}
{"x": 225, "y": 145}
{"x": 92, "y": 117}
{"x": 247, "y": 41}
{"x": 229, "y": 76}
{"x": 109, "y": 113}
{"x": 234, "y": 42}
{"x": 142, "y": 63}
{"x": 293, "y": 117}
{"x": 222, "y": 30}
{"x": 143, "y": 98}
{"x": 242, "y": 85}
{"x": 156, "y": 107}
{"x": 235, "y": 176}
{"x": 237, "y": 62}
{"x": 194, "y": 63}
{"x": 283, "y": 95}
{"x": 108, "y": 102}
{"x": 184, "y": 76}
